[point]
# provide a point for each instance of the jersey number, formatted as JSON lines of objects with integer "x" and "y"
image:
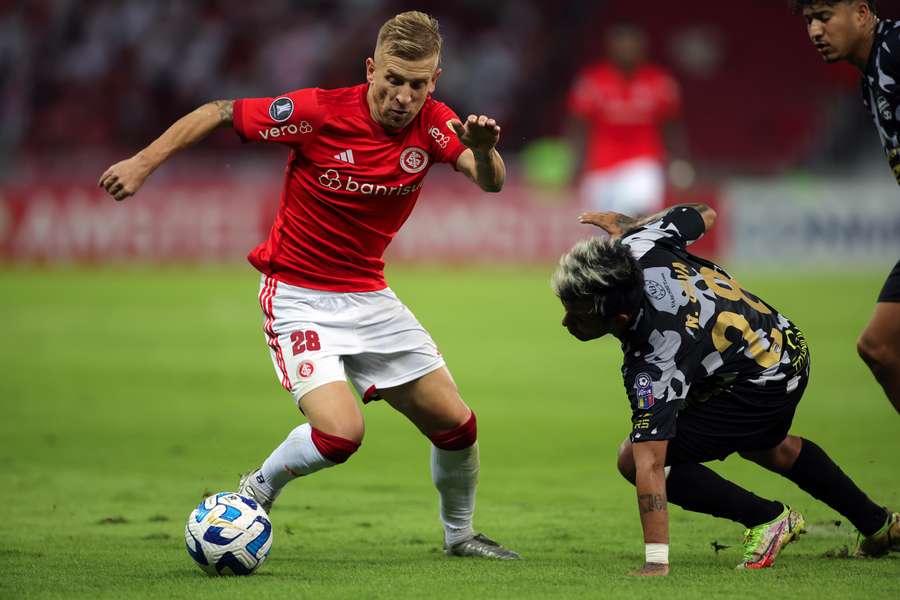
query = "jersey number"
{"x": 305, "y": 340}
{"x": 764, "y": 358}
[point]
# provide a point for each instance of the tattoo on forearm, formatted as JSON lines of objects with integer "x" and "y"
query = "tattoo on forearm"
{"x": 652, "y": 502}
{"x": 625, "y": 222}
{"x": 226, "y": 110}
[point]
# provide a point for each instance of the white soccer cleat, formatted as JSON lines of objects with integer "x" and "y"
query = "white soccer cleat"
{"x": 248, "y": 486}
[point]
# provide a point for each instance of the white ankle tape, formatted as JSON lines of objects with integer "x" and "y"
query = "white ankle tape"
{"x": 656, "y": 553}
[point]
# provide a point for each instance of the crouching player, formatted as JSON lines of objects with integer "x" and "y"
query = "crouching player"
{"x": 710, "y": 369}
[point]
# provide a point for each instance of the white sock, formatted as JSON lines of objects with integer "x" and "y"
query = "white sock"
{"x": 455, "y": 474}
{"x": 296, "y": 456}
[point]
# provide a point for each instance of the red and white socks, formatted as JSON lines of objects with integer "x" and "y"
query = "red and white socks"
{"x": 454, "y": 471}
{"x": 305, "y": 451}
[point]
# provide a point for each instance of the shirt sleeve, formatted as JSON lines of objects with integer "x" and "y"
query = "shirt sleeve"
{"x": 680, "y": 226}
{"x": 445, "y": 146}
{"x": 890, "y": 61}
{"x": 656, "y": 384}
{"x": 287, "y": 119}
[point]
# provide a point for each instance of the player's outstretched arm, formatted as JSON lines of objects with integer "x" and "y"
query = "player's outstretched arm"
{"x": 480, "y": 161}
{"x": 649, "y": 460}
{"x": 617, "y": 224}
{"x": 124, "y": 178}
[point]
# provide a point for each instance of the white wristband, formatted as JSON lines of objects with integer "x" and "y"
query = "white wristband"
{"x": 657, "y": 553}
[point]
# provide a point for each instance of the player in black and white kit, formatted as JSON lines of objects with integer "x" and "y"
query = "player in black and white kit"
{"x": 850, "y": 30}
{"x": 709, "y": 369}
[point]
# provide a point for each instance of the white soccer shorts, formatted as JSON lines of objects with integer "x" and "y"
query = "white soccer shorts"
{"x": 634, "y": 188}
{"x": 317, "y": 337}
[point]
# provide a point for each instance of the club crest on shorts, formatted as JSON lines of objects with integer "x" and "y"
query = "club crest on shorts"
{"x": 643, "y": 390}
{"x": 305, "y": 369}
{"x": 281, "y": 109}
{"x": 413, "y": 159}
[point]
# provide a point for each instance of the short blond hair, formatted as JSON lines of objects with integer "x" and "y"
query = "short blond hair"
{"x": 410, "y": 35}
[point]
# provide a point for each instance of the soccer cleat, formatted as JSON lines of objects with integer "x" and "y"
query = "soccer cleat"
{"x": 886, "y": 539}
{"x": 248, "y": 487}
{"x": 480, "y": 545}
{"x": 763, "y": 542}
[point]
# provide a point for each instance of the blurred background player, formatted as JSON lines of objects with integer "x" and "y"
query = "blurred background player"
{"x": 358, "y": 157}
{"x": 710, "y": 369}
{"x": 624, "y": 126}
{"x": 849, "y": 30}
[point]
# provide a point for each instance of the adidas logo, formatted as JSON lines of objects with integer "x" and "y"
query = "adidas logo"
{"x": 346, "y": 156}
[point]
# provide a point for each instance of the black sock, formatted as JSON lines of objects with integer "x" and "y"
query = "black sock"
{"x": 698, "y": 488}
{"x": 817, "y": 475}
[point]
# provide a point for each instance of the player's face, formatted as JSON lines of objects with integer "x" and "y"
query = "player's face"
{"x": 627, "y": 48}
{"x": 835, "y": 29}
{"x": 583, "y": 323}
{"x": 398, "y": 88}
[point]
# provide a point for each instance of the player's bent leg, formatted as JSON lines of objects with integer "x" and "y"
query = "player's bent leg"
{"x": 333, "y": 433}
{"x": 879, "y": 347}
{"x": 625, "y": 461}
{"x": 433, "y": 404}
{"x": 807, "y": 465}
{"x": 779, "y": 459}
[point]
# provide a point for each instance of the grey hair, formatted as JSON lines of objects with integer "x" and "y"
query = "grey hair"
{"x": 603, "y": 271}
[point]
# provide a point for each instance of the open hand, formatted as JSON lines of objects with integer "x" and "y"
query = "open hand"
{"x": 613, "y": 223}
{"x": 479, "y": 133}
{"x": 124, "y": 178}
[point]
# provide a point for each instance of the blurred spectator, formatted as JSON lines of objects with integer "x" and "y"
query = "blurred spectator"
{"x": 102, "y": 74}
{"x": 624, "y": 111}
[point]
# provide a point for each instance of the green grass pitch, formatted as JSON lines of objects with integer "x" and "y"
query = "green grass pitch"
{"x": 127, "y": 393}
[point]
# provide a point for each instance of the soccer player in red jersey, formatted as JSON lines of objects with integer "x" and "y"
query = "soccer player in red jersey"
{"x": 624, "y": 112}
{"x": 850, "y": 30}
{"x": 358, "y": 157}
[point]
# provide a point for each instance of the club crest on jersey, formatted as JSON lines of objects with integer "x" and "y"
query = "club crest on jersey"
{"x": 643, "y": 390}
{"x": 413, "y": 159}
{"x": 281, "y": 109}
{"x": 305, "y": 369}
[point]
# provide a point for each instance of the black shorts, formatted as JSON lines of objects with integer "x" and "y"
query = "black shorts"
{"x": 891, "y": 290}
{"x": 742, "y": 418}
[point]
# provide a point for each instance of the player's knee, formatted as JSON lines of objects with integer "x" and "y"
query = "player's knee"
{"x": 337, "y": 448}
{"x": 460, "y": 437}
{"x": 879, "y": 354}
{"x": 625, "y": 461}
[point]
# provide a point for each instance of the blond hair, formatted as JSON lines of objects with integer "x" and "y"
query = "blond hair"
{"x": 410, "y": 35}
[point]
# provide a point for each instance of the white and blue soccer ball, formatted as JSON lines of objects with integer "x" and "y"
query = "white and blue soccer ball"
{"x": 228, "y": 534}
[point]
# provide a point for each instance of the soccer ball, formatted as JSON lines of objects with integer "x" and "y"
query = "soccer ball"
{"x": 228, "y": 534}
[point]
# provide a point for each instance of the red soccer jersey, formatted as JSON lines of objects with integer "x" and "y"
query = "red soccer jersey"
{"x": 624, "y": 114}
{"x": 349, "y": 184}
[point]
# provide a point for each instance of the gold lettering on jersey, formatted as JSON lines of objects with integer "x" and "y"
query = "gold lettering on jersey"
{"x": 692, "y": 319}
{"x": 800, "y": 351}
{"x": 725, "y": 287}
{"x": 764, "y": 357}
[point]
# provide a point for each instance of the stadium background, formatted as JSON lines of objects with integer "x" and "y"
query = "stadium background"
{"x": 131, "y": 336}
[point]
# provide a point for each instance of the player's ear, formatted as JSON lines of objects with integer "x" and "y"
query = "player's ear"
{"x": 370, "y": 70}
{"x": 861, "y": 11}
{"x": 434, "y": 78}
